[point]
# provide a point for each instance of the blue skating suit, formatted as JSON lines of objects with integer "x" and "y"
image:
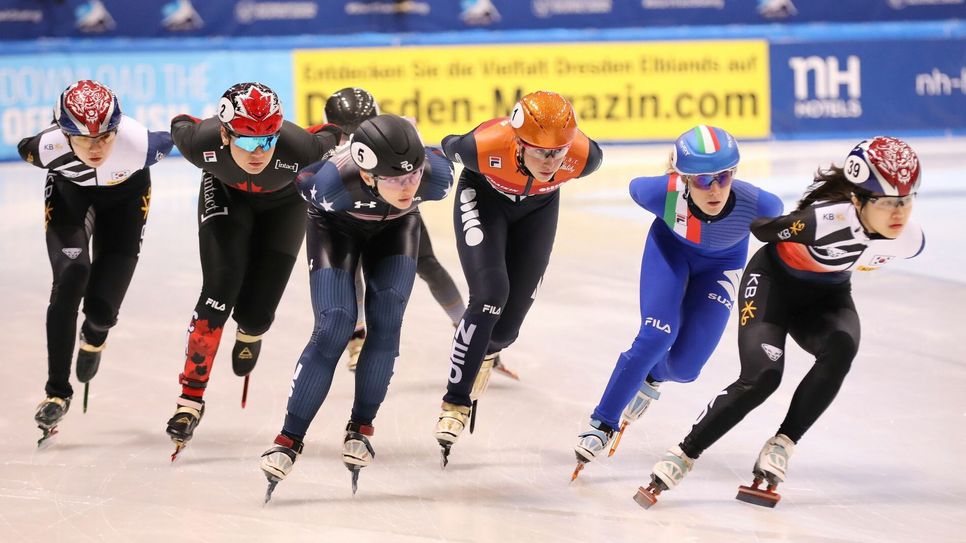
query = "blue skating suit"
{"x": 350, "y": 225}
{"x": 689, "y": 276}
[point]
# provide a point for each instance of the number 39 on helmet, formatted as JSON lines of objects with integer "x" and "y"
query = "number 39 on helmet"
{"x": 884, "y": 165}
{"x": 544, "y": 119}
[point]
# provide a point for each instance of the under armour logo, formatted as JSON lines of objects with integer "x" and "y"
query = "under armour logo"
{"x": 370, "y": 205}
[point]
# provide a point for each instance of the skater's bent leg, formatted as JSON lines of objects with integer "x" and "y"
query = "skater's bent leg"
{"x": 836, "y": 350}
{"x": 389, "y": 285}
{"x": 66, "y": 210}
{"x": 759, "y": 378}
{"x": 333, "y": 301}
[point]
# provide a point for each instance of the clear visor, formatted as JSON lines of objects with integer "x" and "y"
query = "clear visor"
{"x": 543, "y": 153}
{"x": 891, "y": 202}
{"x": 250, "y": 143}
{"x": 411, "y": 178}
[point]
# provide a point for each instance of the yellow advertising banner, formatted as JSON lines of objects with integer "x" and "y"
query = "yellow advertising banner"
{"x": 621, "y": 91}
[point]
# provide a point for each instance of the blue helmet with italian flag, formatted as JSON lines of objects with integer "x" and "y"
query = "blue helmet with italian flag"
{"x": 704, "y": 149}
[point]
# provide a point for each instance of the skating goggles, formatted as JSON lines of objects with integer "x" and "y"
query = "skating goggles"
{"x": 411, "y": 178}
{"x": 703, "y": 181}
{"x": 250, "y": 143}
{"x": 545, "y": 154}
{"x": 891, "y": 202}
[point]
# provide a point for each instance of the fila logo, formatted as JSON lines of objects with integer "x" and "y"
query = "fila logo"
{"x": 472, "y": 233}
{"x": 492, "y": 309}
{"x": 210, "y": 156}
{"x": 773, "y": 353}
{"x": 496, "y": 162}
{"x": 72, "y": 252}
{"x": 215, "y": 304}
{"x": 360, "y": 205}
{"x": 651, "y": 321}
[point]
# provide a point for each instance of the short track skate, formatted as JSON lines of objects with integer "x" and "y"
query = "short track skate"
{"x": 755, "y": 495}
{"x": 647, "y": 496}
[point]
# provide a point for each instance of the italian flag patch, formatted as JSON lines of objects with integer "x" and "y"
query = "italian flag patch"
{"x": 676, "y": 214}
{"x": 707, "y": 141}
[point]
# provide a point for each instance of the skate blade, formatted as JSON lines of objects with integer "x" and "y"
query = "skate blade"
{"x": 272, "y": 483}
{"x": 758, "y": 496}
{"x": 444, "y": 455}
{"x": 645, "y": 497}
{"x": 617, "y": 440}
{"x": 507, "y": 372}
{"x": 355, "y": 480}
{"x": 577, "y": 470}
{"x": 178, "y": 447}
{"x": 43, "y": 442}
{"x": 87, "y": 387}
{"x": 473, "y": 416}
{"x": 245, "y": 392}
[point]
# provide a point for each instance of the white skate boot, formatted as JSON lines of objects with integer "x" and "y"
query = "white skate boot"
{"x": 278, "y": 461}
{"x": 666, "y": 474}
{"x": 357, "y": 452}
{"x": 590, "y": 443}
{"x": 633, "y": 411}
{"x": 770, "y": 467}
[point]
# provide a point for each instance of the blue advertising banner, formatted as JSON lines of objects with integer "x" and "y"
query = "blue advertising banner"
{"x": 152, "y": 87}
{"x": 30, "y": 19}
{"x": 874, "y": 87}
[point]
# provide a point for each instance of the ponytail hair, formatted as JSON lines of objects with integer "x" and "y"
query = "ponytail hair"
{"x": 830, "y": 185}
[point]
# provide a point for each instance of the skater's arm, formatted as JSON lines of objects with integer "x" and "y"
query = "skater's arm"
{"x": 437, "y": 176}
{"x": 798, "y": 227}
{"x": 44, "y": 148}
{"x": 650, "y": 193}
{"x": 321, "y": 185}
{"x": 183, "y": 130}
{"x": 462, "y": 149}
{"x": 595, "y": 156}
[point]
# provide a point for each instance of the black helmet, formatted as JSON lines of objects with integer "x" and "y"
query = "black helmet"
{"x": 349, "y": 107}
{"x": 387, "y": 146}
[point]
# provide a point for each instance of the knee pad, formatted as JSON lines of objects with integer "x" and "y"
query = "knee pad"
{"x": 333, "y": 328}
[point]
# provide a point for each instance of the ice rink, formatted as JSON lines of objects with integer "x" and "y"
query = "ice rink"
{"x": 883, "y": 464}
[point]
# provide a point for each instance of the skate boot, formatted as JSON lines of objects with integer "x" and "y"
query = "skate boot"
{"x": 590, "y": 443}
{"x": 48, "y": 415}
{"x": 355, "y": 347}
{"x": 666, "y": 474}
{"x": 357, "y": 452}
{"x": 244, "y": 356}
{"x": 181, "y": 426}
{"x": 633, "y": 411}
{"x": 770, "y": 468}
{"x": 278, "y": 461}
{"x": 88, "y": 362}
{"x": 450, "y": 425}
{"x": 500, "y": 368}
{"x": 479, "y": 385}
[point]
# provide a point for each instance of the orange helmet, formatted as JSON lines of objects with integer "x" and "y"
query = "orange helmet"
{"x": 544, "y": 119}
